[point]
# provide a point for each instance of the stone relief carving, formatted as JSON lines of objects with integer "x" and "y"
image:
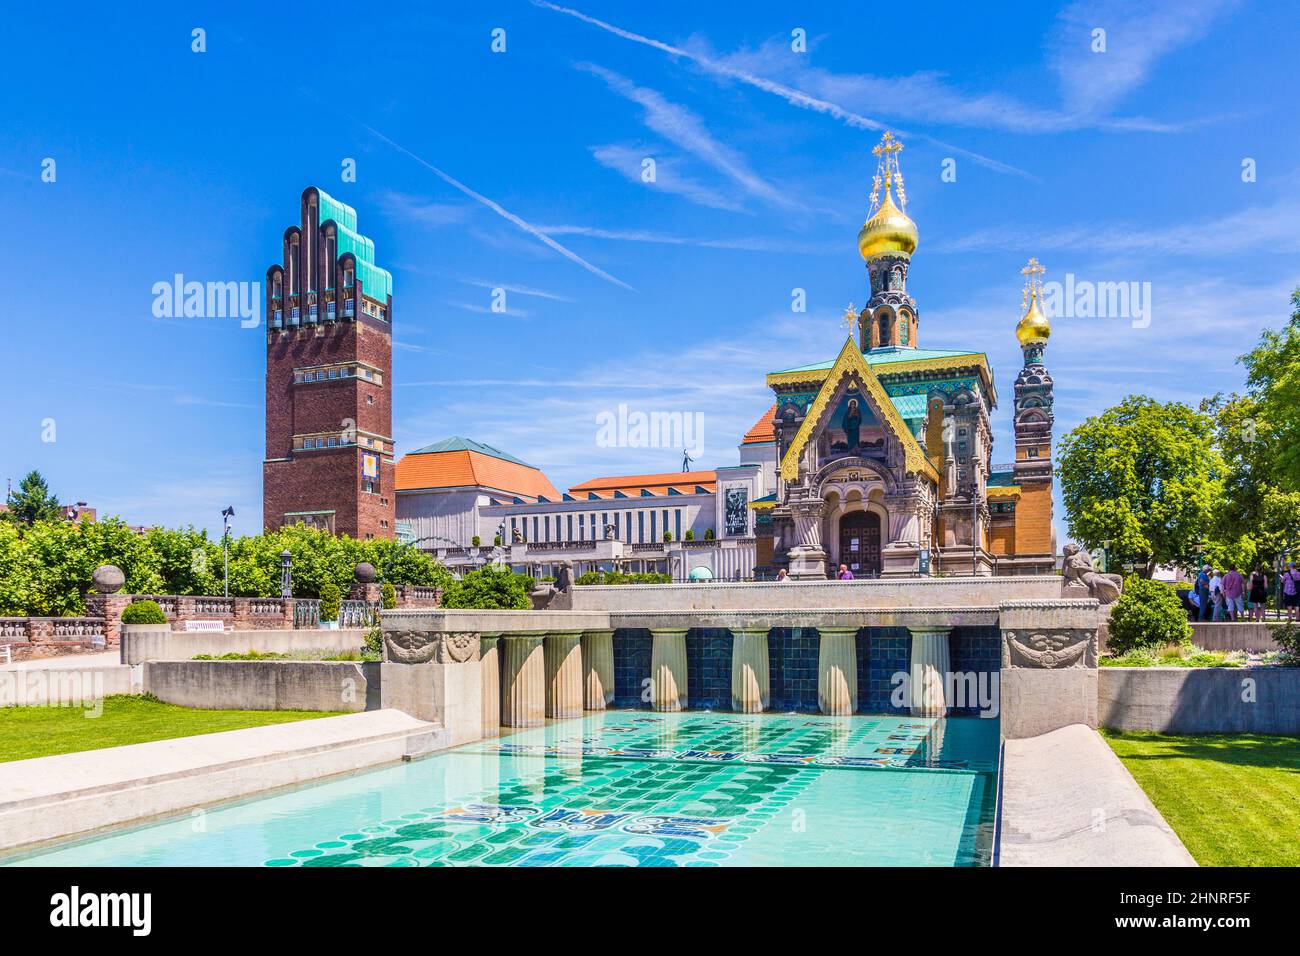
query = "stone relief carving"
{"x": 1049, "y": 649}
{"x": 425, "y": 647}
{"x": 410, "y": 647}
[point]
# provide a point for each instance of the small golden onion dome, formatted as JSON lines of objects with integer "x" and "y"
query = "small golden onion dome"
{"x": 1033, "y": 328}
{"x": 888, "y": 233}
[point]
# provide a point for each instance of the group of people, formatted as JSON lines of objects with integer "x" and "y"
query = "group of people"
{"x": 1233, "y": 596}
{"x": 843, "y": 574}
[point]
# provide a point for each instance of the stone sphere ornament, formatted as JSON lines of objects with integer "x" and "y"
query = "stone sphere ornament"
{"x": 108, "y": 579}
{"x": 365, "y": 573}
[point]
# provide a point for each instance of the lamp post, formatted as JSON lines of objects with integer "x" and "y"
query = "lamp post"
{"x": 286, "y": 574}
{"x": 227, "y": 513}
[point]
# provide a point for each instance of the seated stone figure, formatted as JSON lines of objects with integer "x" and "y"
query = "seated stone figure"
{"x": 1079, "y": 571}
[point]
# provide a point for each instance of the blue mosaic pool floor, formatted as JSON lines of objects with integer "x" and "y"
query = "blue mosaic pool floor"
{"x": 622, "y": 788}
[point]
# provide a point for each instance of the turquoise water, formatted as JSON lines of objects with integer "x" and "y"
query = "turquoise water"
{"x": 625, "y": 788}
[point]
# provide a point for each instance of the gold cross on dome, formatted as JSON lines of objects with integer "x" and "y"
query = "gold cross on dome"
{"x": 887, "y": 145}
{"x": 850, "y": 319}
{"x": 1031, "y": 272}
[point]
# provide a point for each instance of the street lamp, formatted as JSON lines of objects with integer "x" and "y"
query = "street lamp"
{"x": 286, "y": 574}
{"x": 227, "y": 513}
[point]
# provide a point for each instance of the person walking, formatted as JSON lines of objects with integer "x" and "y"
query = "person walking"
{"x": 845, "y": 574}
{"x": 1258, "y": 594}
{"x": 1234, "y": 593}
{"x": 1203, "y": 594}
{"x": 1291, "y": 592}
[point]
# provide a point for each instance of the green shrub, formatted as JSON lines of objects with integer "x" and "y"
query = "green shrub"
{"x": 330, "y": 599}
{"x": 689, "y": 535}
{"x": 388, "y": 596}
{"x": 668, "y": 537}
{"x": 143, "y": 612}
{"x": 1148, "y": 614}
{"x": 708, "y": 534}
{"x": 475, "y": 541}
{"x": 1287, "y": 637}
{"x": 374, "y": 646}
{"x": 491, "y": 588}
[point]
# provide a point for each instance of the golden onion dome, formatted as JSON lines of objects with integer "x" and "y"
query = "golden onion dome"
{"x": 887, "y": 233}
{"x": 1033, "y": 328}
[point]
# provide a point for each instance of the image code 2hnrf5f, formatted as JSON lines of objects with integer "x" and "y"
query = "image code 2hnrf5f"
{"x": 524, "y": 435}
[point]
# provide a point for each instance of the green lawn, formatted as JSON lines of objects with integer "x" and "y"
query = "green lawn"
{"x": 1234, "y": 799}
{"x": 43, "y": 731}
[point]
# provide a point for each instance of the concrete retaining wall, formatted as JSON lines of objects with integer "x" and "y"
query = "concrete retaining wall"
{"x": 157, "y": 642}
{"x": 1211, "y": 700}
{"x": 265, "y": 685}
{"x": 65, "y": 686}
{"x": 1234, "y": 637}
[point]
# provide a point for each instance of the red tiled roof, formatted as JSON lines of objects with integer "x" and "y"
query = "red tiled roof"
{"x": 684, "y": 482}
{"x": 763, "y": 430}
{"x": 452, "y": 469}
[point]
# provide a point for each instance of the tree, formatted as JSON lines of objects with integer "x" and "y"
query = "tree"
{"x": 1256, "y": 518}
{"x": 1273, "y": 380}
{"x": 32, "y": 501}
{"x": 1144, "y": 477}
{"x": 492, "y": 588}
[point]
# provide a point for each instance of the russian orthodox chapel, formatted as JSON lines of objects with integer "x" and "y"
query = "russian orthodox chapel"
{"x": 885, "y": 454}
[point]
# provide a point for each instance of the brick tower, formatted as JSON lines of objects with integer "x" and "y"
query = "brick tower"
{"x": 329, "y": 353}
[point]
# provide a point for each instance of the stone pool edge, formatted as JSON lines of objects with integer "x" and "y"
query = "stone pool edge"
{"x": 1068, "y": 800}
{"x": 47, "y": 799}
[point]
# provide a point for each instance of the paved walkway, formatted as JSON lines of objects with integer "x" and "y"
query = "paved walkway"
{"x": 90, "y": 661}
{"x": 1067, "y": 800}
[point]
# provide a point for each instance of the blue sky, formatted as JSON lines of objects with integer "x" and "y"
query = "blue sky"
{"x": 1115, "y": 166}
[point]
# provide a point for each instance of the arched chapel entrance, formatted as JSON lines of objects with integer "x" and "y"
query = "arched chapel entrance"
{"x": 860, "y": 543}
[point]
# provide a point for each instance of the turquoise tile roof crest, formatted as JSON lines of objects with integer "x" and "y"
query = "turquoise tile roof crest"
{"x": 888, "y": 356}
{"x": 457, "y": 443}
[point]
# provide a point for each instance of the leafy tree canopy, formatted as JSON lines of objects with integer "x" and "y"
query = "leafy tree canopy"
{"x": 1144, "y": 477}
{"x": 32, "y": 501}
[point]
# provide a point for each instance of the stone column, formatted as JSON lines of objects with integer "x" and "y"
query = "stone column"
{"x": 490, "y": 675}
{"x": 597, "y": 669}
{"x": 750, "y": 686}
{"x": 807, "y": 557}
{"x": 931, "y": 662}
{"x": 523, "y": 684}
{"x": 563, "y": 655}
{"x": 668, "y": 687}
{"x": 837, "y": 670}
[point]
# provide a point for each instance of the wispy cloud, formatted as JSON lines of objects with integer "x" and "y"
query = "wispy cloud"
{"x": 793, "y": 96}
{"x": 686, "y": 130}
{"x": 1091, "y": 83}
{"x": 519, "y": 289}
{"x": 1137, "y": 38}
{"x": 669, "y": 177}
{"x": 1260, "y": 228}
{"x": 422, "y": 211}
{"x": 513, "y": 312}
{"x": 500, "y": 211}
{"x": 741, "y": 243}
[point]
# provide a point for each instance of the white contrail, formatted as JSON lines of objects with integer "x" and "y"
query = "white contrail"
{"x": 789, "y": 94}
{"x": 502, "y": 212}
